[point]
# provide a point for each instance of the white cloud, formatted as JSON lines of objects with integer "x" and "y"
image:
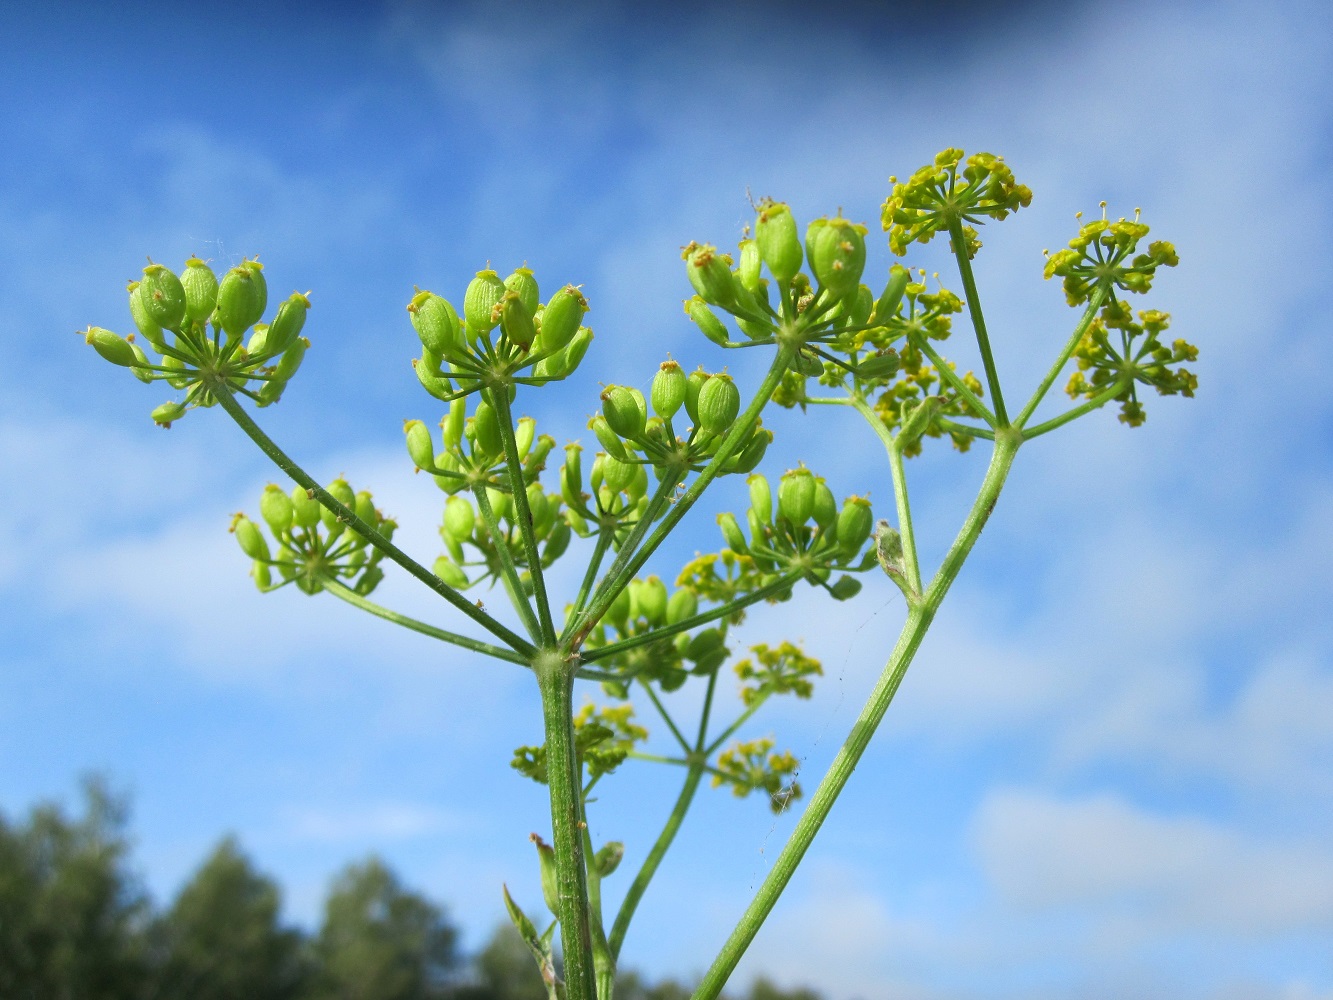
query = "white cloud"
{"x": 1158, "y": 874}
{"x": 372, "y": 822}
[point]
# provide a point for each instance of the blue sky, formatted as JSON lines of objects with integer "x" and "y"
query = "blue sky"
{"x": 1110, "y": 772}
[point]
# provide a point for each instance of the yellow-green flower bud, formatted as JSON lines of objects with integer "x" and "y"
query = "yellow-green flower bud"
{"x": 450, "y": 573}
{"x": 459, "y": 518}
{"x": 719, "y": 403}
{"x": 525, "y": 284}
{"x": 305, "y": 508}
{"x": 560, "y": 322}
{"x": 419, "y": 444}
{"x": 706, "y": 320}
{"x": 683, "y": 604}
{"x": 710, "y": 274}
{"x": 287, "y": 324}
{"x": 163, "y": 296}
{"x": 846, "y": 588}
{"x": 731, "y": 532}
{"x": 515, "y": 320}
{"x": 776, "y": 236}
{"x": 436, "y": 324}
{"x": 249, "y": 537}
{"x": 796, "y": 495}
{"x": 652, "y": 600}
{"x": 608, "y": 438}
{"x": 151, "y": 331}
{"x": 275, "y": 506}
{"x": 761, "y": 498}
{"x": 825, "y": 511}
{"x": 693, "y": 386}
{"x": 166, "y": 414}
{"x": 112, "y": 346}
{"x": 625, "y": 411}
{"x": 242, "y": 297}
{"x": 837, "y": 251}
{"x": 748, "y": 269}
{"x": 201, "y": 290}
{"x": 486, "y": 427}
{"x": 479, "y": 302}
{"x": 855, "y": 522}
{"x": 668, "y": 391}
{"x": 892, "y": 296}
{"x": 617, "y": 474}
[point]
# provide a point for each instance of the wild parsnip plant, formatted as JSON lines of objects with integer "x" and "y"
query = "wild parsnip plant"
{"x": 511, "y": 510}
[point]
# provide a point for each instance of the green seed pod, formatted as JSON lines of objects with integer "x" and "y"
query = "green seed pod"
{"x": 459, "y": 518}
{"x": 451, "y": 573}
{"x": 761, "y": 498}
{"x": 706, "y": 320}
{"x": 846, "y": 588}
{"x": 341, "y": 491}
{"x": 748, "y": 269}
{"x": 881, "y": 364}
{"x": 683, "y": 604}
{"x": 242, "y": 297}
{"x": 436, "y": 324}
{"x": 571, "y": 476}
{"x": 608, "y": 438}
{"x": 757, "y": 526}
{"x": 857, "y": 307}
{"x": 525, "y": 284}
{"x": 175, "y": 365}
{"x": 364, "y": 508}
{"x": 479, "y": 302}
{"x": 607, "y": 858}
{"x": 486, "y": 425}
{"x": 825, "y": 511}
{"x": 557, "y": 542}
{"x": 291, "y": 360}
{"x": 705, "y": 644}
{"x": 617, "y": 474}
{"x": 574, "y": 351}
{"x": 731, "y": 532}
{"x": 561, "y": 319}
{"x": 257, "y": 345}
{"x": 201, "y": 290}
{"x": 710, "y": 274}
{"x": 779, "y": 244}
{"x": 652, "y": 600}
{"x": 693, "y": 386}
{"x": 275, "y": 506}
{"x": 855, "y": 522}
{"x": 163, "y": 296}
{"x": 618, "y": 613}
{"x": 595, "y": 473}
{"x": 285, "y": 560}
{"x": 419, "y": 444}
{"x": 249, "y": 537}
{"x": 150, "y": 331}
{"x": 535, "y": 459}
{"x": 305, "y": 508}
{"x": 892, "y": 296}
{"x": 625, "y": 411}
{"x": 256, "y": 270}
{"x": 837, "y": 251}
{"x": 502, "y": 504}
{"x": 719, "y": 403}
{"x": 540, "y": 508}
{"x": 638, "y": 487}
{"x": 710, "y": 661}
{"x": 796, "y": 495}
{"x": 668, "y": 391}
{"x": 525, "y": 430}
{"x": 515, "y": 320}
{"x": 140, "y": 370}
{"x": 168, "y": 413}
{"x": 753, "y": 453}
{"x": 287, "y": 324}
{"x": 452, "y": 425}
{"x": 263, "y": 578}
{"x": 112, "y": 346}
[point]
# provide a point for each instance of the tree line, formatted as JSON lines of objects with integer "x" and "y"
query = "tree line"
{"x": 75, "y": 924}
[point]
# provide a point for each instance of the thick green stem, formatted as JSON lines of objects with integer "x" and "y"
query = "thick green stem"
{"x": 740, "y": 430}
{"x": 563, "y": 774}
{"x": 1071, "y": 345}
{"x": 476, "y": 645}
{"x": 650, "y": 864}
{"x": 911, "y": 563}
{"x": 222, "y": 391}
{"x": 821, "y": 802}
{"x": 508, "y": 571}
{"x": 500, "y": 400}
{"x": 978, "y": 320}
